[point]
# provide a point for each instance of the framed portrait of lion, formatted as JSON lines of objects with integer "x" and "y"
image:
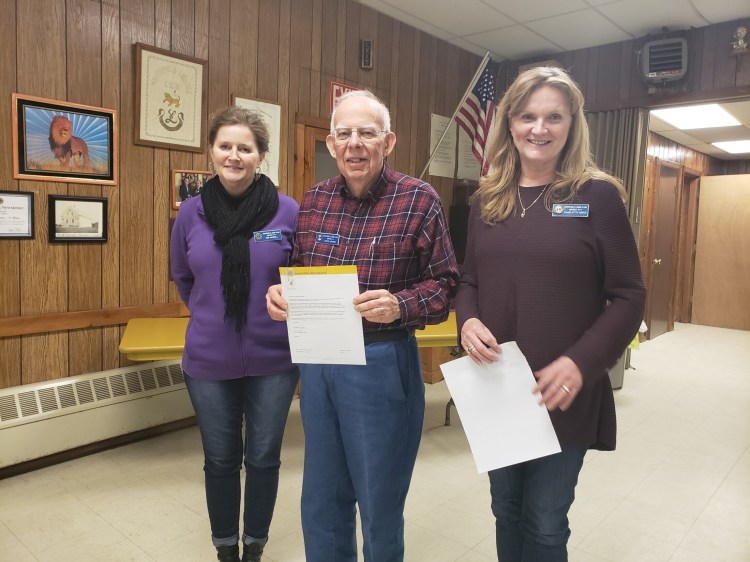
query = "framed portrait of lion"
{"x": 60, "y": 141}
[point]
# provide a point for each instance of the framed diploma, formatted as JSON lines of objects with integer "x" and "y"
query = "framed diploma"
{"x": 16, "y": 214}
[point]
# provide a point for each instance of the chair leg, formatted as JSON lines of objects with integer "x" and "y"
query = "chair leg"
{"x": 448, "y": 411}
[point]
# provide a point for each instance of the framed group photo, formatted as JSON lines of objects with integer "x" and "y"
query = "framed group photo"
{"x": 67, "y": 142}
{"x": 77, "y": 219}
{"x": 170, "y": 101}
{"x": 16, "y": 214}
{"x": 187, "y": 184}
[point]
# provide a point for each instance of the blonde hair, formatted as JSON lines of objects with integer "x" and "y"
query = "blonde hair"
{"x": 497, "y": 190}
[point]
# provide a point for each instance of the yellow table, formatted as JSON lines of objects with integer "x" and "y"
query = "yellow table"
{"x": 161, "y": 339}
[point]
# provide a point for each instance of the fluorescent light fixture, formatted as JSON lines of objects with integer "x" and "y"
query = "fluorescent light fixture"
{"x": 696, "y": 117}
{"x": 734, "y": 147}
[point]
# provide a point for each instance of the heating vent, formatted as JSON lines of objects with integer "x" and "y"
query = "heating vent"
{"x": 664, "y": 60}
{"x": 29, "y": 403}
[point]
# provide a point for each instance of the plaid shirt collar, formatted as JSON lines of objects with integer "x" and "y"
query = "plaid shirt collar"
{"x": 375, "y": 192}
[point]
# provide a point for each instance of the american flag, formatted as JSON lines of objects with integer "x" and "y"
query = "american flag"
{"x": 476, "y": 113}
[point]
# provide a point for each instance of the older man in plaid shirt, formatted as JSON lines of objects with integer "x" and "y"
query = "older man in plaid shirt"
{"x": 363, "y": 424}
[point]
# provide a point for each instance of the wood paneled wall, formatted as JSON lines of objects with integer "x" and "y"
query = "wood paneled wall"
{"x": 610, "y": 79}
{"x": 286, "y": 51}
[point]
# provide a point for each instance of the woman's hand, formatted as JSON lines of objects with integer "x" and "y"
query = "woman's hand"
{"x": 378, "y": 306}
{"x": 559, "y": 383}
{"x": 479, "y": 342}
{"x": 275, "y": 303}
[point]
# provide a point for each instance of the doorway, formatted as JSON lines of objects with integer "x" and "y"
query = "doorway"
{"x": 659, "y": 305}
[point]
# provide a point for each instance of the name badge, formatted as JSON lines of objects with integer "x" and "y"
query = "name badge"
{"x": 267, "y": 236}
{"x": 325, "y": 238}
{"x": 570, "y": 210}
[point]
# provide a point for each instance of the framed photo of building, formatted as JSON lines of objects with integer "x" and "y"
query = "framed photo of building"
{"x": 271, "y": 114}
{"x": 77, "y": 219}
{"x": 170, "y": 99}
{"x": 16, "y": 214}
{"x": 64, "y": 142}
{"x": 187, "y": 184}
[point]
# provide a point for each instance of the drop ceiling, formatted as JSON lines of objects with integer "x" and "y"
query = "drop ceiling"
{"x": 519, "y": 29}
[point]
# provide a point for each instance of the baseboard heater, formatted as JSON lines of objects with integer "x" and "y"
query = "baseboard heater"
{"x": 41, "y": 419}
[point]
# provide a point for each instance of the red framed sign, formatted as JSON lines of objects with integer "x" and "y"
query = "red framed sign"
{"x": 338, "y": 89}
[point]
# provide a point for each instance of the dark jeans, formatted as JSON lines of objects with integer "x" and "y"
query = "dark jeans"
{"x": 530, "y": 501}
{"x": 220, "y": 407}
{"x": 362, "y": 426}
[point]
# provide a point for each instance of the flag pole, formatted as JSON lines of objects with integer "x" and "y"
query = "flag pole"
{"x": 473, "y": 82}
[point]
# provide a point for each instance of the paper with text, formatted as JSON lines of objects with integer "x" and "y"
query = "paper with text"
{"x": 322, "y": 323}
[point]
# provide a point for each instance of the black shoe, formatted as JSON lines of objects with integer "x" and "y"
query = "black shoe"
{"x": 228, "y": 553}
{"x": 252, "y": 552}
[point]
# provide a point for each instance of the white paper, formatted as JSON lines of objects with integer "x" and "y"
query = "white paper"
{"x": 322, "y": 323}
{"x": 503, "y": 420}
{"x": 468, "y": 165}
{"x": 443, "y": 164}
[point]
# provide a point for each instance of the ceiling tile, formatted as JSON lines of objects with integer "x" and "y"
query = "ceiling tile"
{"x": 579, "y": 30}
{"x": 725, "y": 10}
{"x": 456, "y": 18}
{"x": 406, "y": 18}
{"x": 644, "y": 17}
{"x": 529, "y": 10}
{"x": 472, "y": 48}
{"x": 740, "y": 110}
{"x": 514, "y": 42}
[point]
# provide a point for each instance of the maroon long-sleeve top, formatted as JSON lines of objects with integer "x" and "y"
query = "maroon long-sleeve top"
{"x": 560, "y": 286}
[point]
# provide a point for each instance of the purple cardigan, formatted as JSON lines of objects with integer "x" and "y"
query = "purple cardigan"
{"x": 214, "y": 350}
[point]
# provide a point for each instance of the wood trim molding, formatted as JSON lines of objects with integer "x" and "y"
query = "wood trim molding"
{"x": 45, "y": 323}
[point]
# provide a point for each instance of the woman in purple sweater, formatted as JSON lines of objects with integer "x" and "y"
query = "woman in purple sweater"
{"x": 551, "y": 263}
{"x": 226, "y": 249}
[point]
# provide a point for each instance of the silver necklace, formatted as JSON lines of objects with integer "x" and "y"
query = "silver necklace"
{"x": 524, "y": 209}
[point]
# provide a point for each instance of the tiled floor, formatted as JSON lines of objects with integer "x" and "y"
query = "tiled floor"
{"x": 677, "y": 488}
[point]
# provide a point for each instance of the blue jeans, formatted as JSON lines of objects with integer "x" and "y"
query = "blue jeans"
{"x": 220, "y": 406}
{"x": 362, "y": 427}
{"x": 530, "y": 501}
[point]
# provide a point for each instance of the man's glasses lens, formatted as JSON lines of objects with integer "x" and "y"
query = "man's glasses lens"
{"x": 365, "y": 135}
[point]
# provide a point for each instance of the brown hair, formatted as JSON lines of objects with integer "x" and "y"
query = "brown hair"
{"x": 497, "y": 190}
{"x": 234, "y": 115}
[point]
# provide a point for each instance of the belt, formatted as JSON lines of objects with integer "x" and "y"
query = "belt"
{"x": 387, "y": 335}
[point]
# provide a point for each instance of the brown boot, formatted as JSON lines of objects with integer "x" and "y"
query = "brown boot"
{"x": 252, "y": 552}
{"x": 228, "y": 553}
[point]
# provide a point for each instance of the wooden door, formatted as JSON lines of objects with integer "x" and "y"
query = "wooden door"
{"x": 660, "y": 297}
{"x": 313, "y": 162}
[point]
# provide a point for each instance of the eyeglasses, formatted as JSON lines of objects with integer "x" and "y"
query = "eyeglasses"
{"x": 365, "y": 134}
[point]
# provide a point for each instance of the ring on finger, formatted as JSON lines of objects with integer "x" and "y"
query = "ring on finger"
{"x": 565, "y": 388}
{"x": 470, "y": 348}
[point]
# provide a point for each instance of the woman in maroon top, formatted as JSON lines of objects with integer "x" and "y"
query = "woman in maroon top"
{"x": 551, "y": 263}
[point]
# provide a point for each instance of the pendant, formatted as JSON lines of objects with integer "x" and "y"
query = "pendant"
{"x": 523, "y": 213}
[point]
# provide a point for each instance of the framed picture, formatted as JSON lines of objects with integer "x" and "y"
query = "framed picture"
{"x": 271, "y": 114}
{"x": 187, "y": 184}
{"x": 16, "y": 214}
{"x": 170, "y": 99}
{"x": 60, "y": 141}
{"x": 77, "y": 219}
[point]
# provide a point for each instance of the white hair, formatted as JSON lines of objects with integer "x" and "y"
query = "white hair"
{"x": 386, "y": 115}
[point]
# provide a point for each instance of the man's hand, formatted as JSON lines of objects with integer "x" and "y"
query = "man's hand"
{"x": 377, "y": 306}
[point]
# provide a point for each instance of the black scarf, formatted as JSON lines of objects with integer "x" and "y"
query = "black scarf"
{"x": 234, "y": 219}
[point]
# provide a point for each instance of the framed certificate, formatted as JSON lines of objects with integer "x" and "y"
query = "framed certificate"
{"x": 16, "y": 214}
